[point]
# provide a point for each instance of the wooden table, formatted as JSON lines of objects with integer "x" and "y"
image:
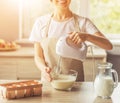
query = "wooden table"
{"x": 82, "y": 93}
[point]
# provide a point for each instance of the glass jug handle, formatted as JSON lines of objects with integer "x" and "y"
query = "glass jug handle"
{"x": 115, "y": 77}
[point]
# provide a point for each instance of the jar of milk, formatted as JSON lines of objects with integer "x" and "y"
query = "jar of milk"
{"x": 106, "y": 80}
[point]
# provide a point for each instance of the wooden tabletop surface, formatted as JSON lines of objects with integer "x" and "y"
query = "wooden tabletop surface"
{"x": 83, "y": 92}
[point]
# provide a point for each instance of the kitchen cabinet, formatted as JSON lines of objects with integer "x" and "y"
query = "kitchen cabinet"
{"x": 18, "y": 68}
{"x": 90, "y": 68}
{"x": 7, "y": 69}
{"x": 20, "y": 64}
{"x": 95, "y": 55}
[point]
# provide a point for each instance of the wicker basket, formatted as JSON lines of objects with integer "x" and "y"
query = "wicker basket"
{"x": 21, "y": 89}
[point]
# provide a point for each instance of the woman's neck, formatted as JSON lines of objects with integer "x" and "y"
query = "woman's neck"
{"x": 62, "y": 15}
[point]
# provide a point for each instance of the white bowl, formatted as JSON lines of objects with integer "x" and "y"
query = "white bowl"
{"x": 64, "y": 81}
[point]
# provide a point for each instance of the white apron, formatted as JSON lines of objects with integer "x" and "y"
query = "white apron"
{"x": 51, "y": 58}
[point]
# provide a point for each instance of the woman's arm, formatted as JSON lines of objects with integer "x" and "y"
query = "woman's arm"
{"x": 38, "y": 56}
{"x": 98, "y": 39}
{"x": 40, "y": 62}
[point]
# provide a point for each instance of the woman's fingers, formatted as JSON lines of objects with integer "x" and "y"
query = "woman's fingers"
{"x": 74, "y": 37}
{"x": 48, "y": 77}
{"x": 46, "y": 74}
{"x": 48, "y": 70}
{"x": 77, "y": 37}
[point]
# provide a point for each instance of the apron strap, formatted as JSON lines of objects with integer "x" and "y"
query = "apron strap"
{"x": 47, "y": 26}
{"x": 77, "y": 28}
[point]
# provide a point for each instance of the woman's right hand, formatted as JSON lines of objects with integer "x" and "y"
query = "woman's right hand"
{"x": 46, "y": 74}
{"x": 76, "y": 38}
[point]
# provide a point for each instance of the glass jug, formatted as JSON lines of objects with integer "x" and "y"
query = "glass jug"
{"x": 106, "y": 80}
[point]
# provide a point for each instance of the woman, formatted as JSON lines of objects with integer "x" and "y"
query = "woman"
{"x": 49, "y": 28}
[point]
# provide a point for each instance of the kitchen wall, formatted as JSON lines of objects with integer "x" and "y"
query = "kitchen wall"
{"x": 9, "y": 19}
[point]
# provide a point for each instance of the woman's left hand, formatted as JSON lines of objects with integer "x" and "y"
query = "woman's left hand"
{"x": 76, "y": 38}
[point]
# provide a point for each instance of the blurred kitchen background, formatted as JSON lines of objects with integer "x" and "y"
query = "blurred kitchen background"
{"x": 17, "y": 18}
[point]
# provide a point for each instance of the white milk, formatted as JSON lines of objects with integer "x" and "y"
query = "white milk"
{"x": 104, "y": 86}
{"x": 63, "y": 82}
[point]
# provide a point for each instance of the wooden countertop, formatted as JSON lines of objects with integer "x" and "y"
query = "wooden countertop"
{"x": 82, "y": 93}
{"x": 21, "y": 52}
{"x": 29, "y": 52}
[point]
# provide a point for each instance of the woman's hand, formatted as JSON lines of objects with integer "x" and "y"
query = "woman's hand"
{"x": 76, "y": 38}
{"x": 46, "y": 74}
